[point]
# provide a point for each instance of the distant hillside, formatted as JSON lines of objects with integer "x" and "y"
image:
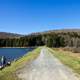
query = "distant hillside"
{"x": 4, "y": 35}
{"x": 52, "y": 38}
{"x": 65, "y": 30}
{"x": 58, "y": 31}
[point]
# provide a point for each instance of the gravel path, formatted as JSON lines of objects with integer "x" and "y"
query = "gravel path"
{"x": 46, "y": 67}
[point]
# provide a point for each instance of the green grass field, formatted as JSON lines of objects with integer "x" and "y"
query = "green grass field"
{"x": 9, "y": 73}
{"x": 70, "y": 59}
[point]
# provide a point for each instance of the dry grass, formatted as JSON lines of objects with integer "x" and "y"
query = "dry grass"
{"x": 68, "y": 58}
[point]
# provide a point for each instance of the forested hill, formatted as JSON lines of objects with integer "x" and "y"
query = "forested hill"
{"x": 58, "y": 31}
{"x": 4, "y": 35}
{"x": 53, "y": 38}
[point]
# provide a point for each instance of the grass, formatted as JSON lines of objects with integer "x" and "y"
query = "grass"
{"x": 68, "y": 58}
{"x": 9, "y": 73}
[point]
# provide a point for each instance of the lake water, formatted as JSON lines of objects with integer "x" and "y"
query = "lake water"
{"x": 13, "y": 53}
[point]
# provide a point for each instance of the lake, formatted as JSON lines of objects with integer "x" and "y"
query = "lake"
{"x": 14, "y": 53}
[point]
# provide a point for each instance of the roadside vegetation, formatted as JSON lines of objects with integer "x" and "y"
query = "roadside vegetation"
{"x": 9, "y": 73}
{"x": 68, "y": 58}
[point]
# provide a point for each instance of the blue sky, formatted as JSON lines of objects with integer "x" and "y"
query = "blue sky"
{"x": 27, "y": 16}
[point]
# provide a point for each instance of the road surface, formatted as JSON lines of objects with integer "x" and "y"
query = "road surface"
{"x": 46, "y": 67}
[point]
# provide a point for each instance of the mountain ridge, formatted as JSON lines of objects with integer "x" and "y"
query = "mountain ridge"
{"x": 15, "y": 35}
{"x": 9, "y": 35}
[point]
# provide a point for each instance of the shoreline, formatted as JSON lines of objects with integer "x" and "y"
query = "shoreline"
{"x": 17, "y": 47}
{"x": 9, "y": 73}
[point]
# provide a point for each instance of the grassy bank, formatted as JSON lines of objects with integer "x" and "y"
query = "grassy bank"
{"x": 8, "y": 73}
{"x": 68, "y": 58}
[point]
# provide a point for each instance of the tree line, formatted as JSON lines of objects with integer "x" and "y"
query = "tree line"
{"x": 51, "y": 39}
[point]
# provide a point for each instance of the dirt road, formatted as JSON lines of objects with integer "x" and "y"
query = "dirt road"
{"x": 46, "y": 67}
